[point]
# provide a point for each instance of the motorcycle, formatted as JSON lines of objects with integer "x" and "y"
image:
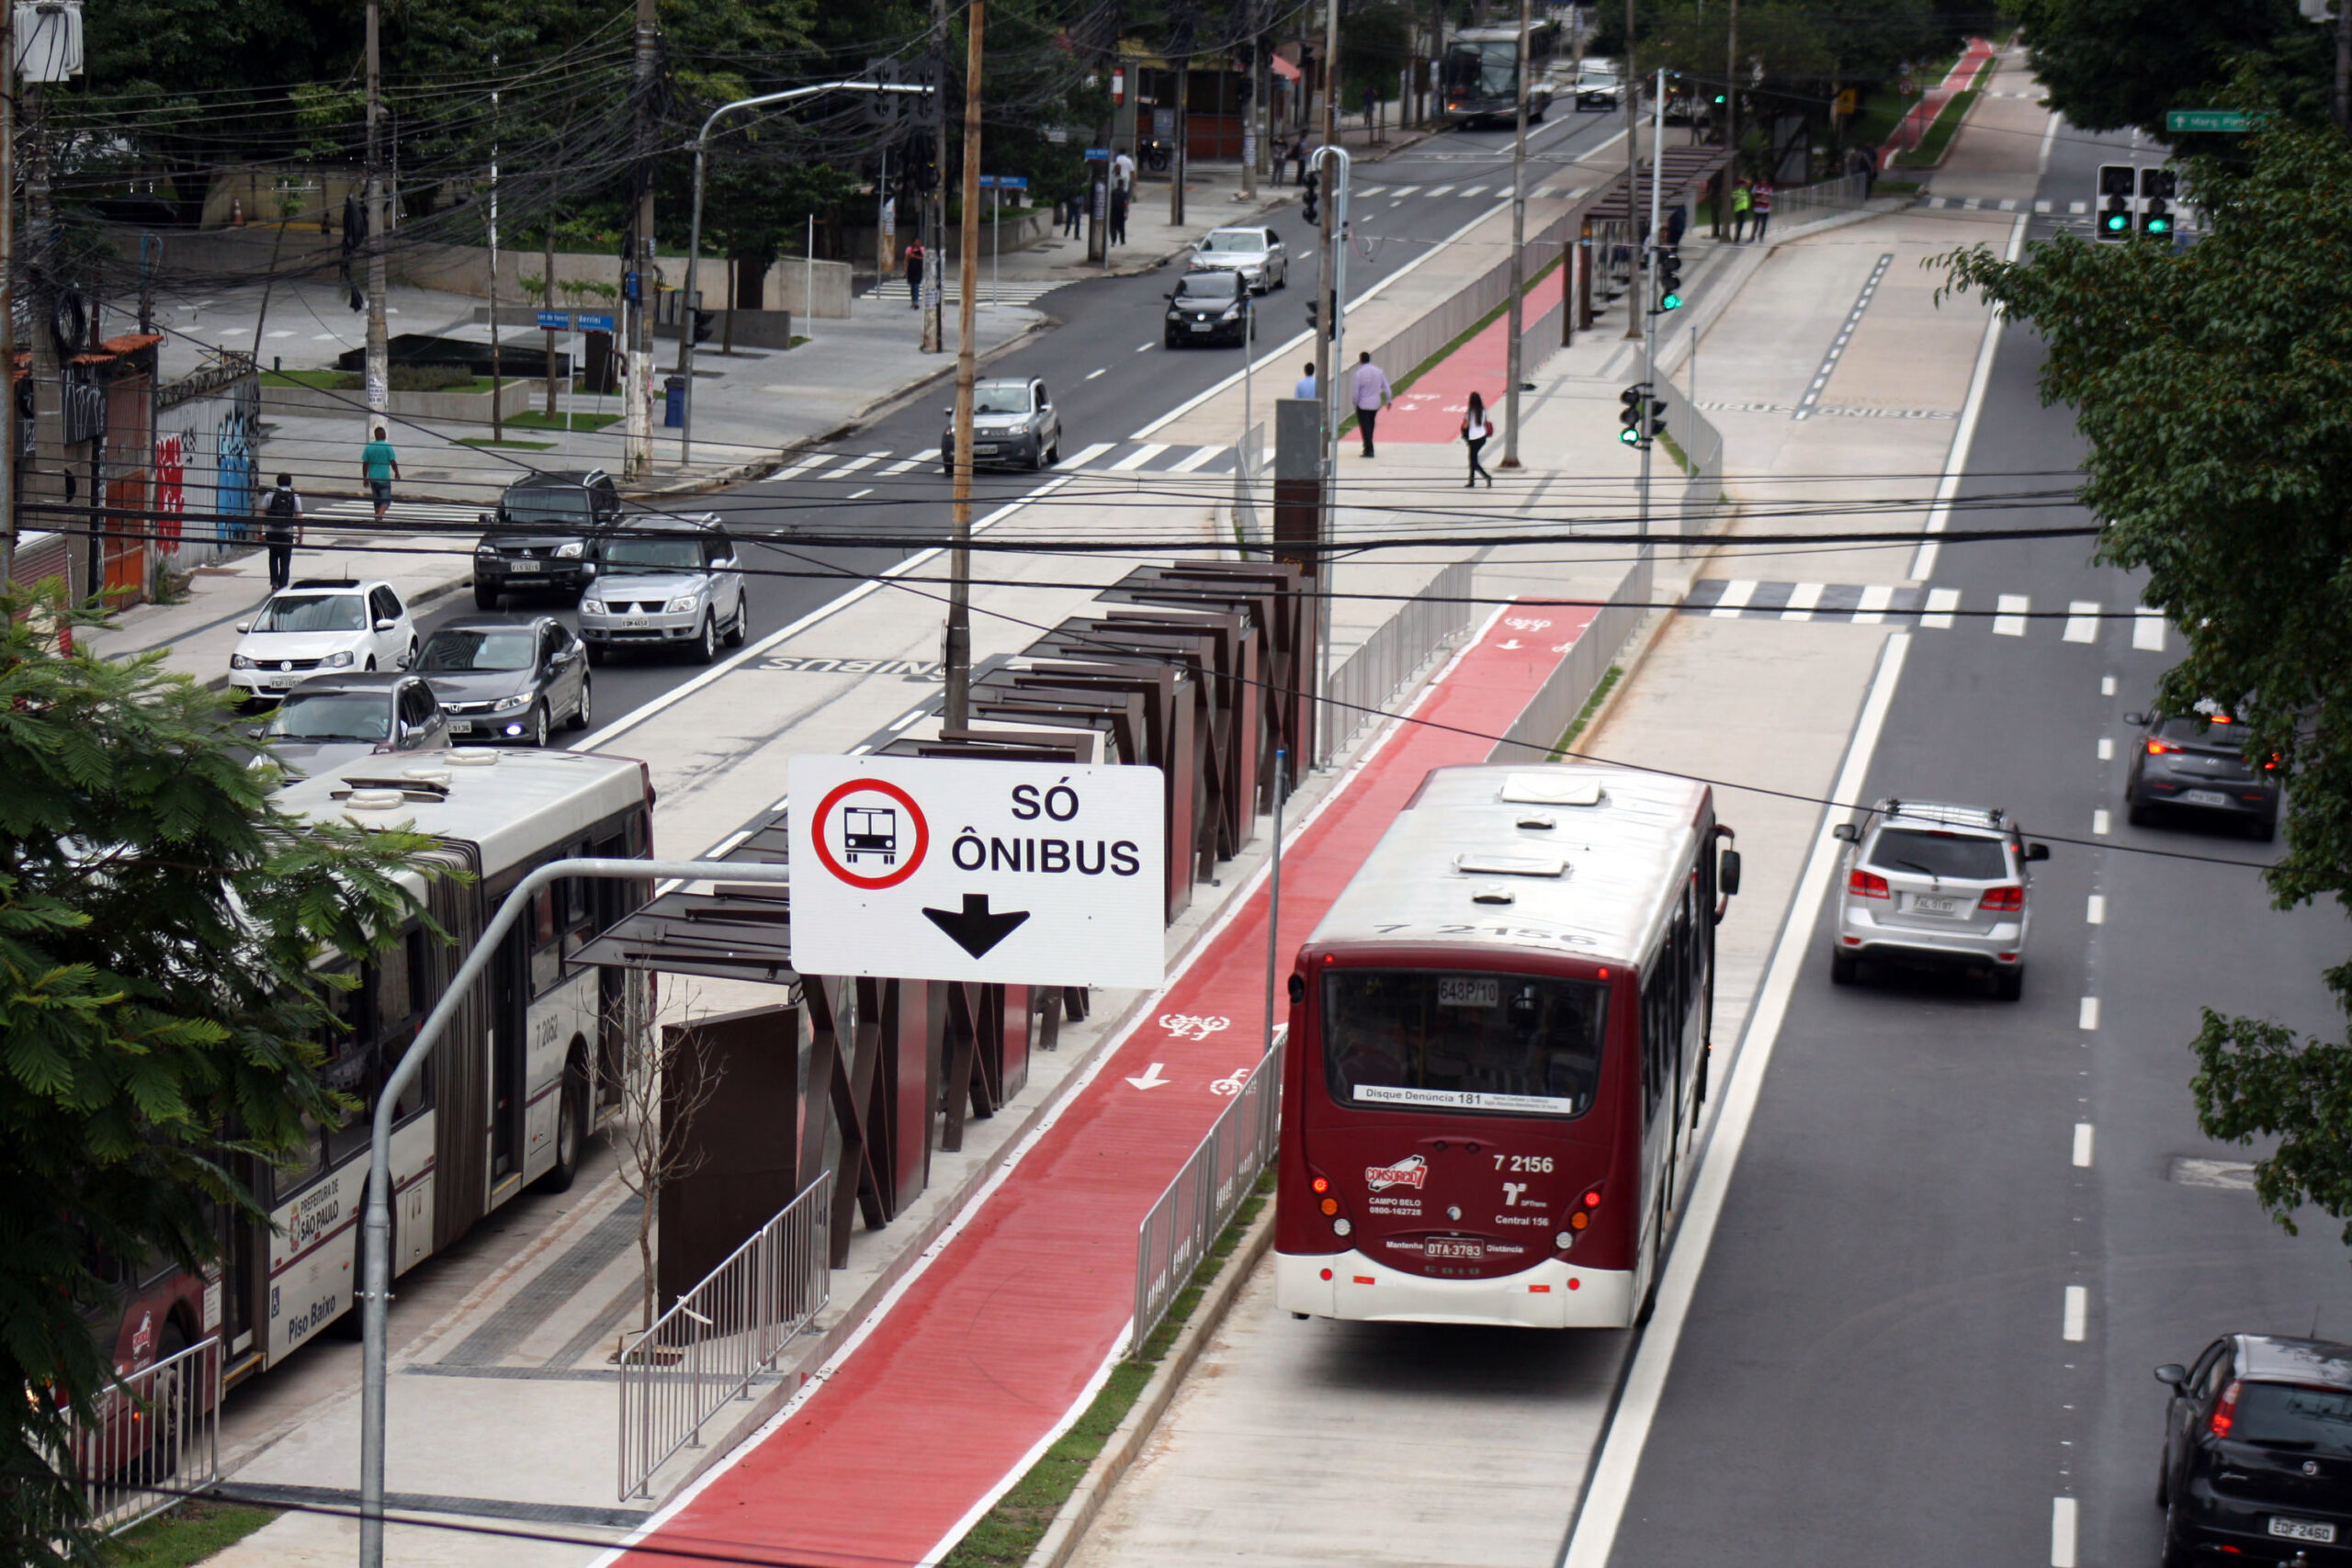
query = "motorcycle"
{"x": 1155, "y": 154}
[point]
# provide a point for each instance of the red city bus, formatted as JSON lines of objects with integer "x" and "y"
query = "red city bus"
{"x": 1499, "y": 1036}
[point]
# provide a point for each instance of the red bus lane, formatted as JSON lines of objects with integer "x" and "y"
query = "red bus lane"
{"x": 993, "y": 1347}
{"x": 1431, "y": 408}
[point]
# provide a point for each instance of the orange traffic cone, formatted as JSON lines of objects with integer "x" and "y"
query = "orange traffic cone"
{"x": 236, "y": 213}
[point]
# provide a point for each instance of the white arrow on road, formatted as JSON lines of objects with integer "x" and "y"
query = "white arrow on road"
{"x": 1509, "y": 643}
{"x": 1150, "y": 1080}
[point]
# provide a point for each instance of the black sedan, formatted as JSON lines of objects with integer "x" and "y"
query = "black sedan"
{"x": 2258, "y": 1458}
{"x": 1209, "y": 307}
{"x": 2194, "y": 762}
{"x": 331, "y": 721}
{"x": 507, "y": 677}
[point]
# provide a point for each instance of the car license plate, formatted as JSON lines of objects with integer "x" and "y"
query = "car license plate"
{"x": 638, "y": 621}
{"x": 2303, "y": 1529}
{"x": 1443, "y": 1247}
{"x": 460, "y": 727}
{"x": 2203, "y": 798}
{"x": 526, "y": 566}
{"x": 1922, "y": 905}
{"x": 984, "y": 451}
{"x": 278, "y": 684}
{"x": 1203, "y": 326}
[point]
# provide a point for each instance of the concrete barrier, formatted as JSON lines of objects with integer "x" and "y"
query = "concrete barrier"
{"x": 518, "y": 395}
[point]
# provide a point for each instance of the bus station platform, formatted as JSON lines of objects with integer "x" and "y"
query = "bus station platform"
{"x": 999, "y": 1342}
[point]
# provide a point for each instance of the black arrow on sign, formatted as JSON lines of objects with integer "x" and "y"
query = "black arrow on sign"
{"x": 973, "y": 928}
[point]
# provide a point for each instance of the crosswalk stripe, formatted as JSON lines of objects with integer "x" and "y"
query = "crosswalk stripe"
{"x": 1544, "y": 193}
{"x": 900, "y": 467}
{"x": 2078, "y": 209}
{"x": 1802, "y": 602}
{"x": 1404, "y": 191}
{"x": 1195, "y": 461}
{"x": 2008, "y": 204}
{"x": 2082, "y": 620}
{"x": 2043, "y": 206}
{"x": 802, "y": 467}
{"x": 2010, "y": 622}
{"x": 850, "y": 466}
{"x": 1736, "y": 594}
{"x": 2148, "y": 630}
{"x": 1872, "y": 608}
{"x": 1942, "y": 602}
{"x": 1140, "y": 457}
{"x": 1443, "y": 190}
{"x": 1473, "y": 190}
{"x": 1087, "y": 454}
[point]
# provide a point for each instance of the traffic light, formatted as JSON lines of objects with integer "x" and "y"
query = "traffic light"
{"x": 1642, "y": 416}
{"x": 1315, "y": 314}
{"x": 2116, "y": 185}
{"x": 1666, "y": 267}
{"x": 2156, "y": 187}
{"x": 1311, "y": 203}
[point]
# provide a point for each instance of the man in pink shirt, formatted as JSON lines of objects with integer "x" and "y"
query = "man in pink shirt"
{"x": 1369, "y": 390}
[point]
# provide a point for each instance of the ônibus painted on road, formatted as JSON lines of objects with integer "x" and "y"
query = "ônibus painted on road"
{"x": 1501, "y": 1032}
{"x": 526, "y": 1072}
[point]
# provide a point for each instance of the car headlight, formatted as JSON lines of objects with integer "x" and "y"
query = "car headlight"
{"x": 486, "y": 548}
{"x": 1230, "y": 312}
{"x": 509, "y": 704}
{"x": 570, "y": 551}
{"x": 336, "y": 660}
{"x": 239, "y": 661}
{"x": 592, "y": 606}
{"x": 682, "y": 603}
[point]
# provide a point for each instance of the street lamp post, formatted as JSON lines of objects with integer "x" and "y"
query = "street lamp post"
{"x": 694, "y": 230}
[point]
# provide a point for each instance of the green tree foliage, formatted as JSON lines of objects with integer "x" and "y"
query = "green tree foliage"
{"x": 2108, "y": 64}
{"x": 2214, "y": 386}
{"x": 159, "y": 1012}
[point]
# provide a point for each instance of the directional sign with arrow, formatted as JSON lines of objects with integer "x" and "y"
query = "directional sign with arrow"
{"x": 947, "y": 869}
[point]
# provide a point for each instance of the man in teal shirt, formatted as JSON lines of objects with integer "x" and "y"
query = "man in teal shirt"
{"x": 383, "y": 465}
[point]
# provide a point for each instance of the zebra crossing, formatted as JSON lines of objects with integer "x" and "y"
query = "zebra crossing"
{"x": 1927, "y": 609}
{"x": 1125, "y": 459}
{"x": 1489, "y": 193}
{"x": 1010, "y": 292}
{"x": 350, "y": 508}
{"x": 2043, "y": 206}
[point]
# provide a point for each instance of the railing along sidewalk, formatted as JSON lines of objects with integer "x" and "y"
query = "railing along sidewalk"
{"x": 723, "y": 1335}
{"x": 157, "y": 1438}
{"x": 1422, "y": 628}
{"x": 1200, "y": 1202}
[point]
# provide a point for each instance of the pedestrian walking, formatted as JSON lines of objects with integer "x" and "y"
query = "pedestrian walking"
{"x": 1298, "y": 156}
{"x": 1677, "y": 224}
{"x": 1073, "y": 210}
{"x": 1370, "y": 391}
{"x": 1476, "y": 431}
{"x": 281, "y": 512}
{"x": 1305, "y": 387}
{"x": 383, "y": 465}
{"x": 1119, "y": 216}
{"x": 1759, "y": 203}
{"x": 1740, "y": 198}
{"x": 914, "y": 275}
{"x": 1123, "y": 171}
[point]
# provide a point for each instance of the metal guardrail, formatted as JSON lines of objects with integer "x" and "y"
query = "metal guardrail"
{"x": 723, "y": 1335}
{"x": 1802, "y": 204}
{"x": 1422, "y": 628}
{"x": 1249, "y": 469}
{"x": 157, "y": 1439}
{"x": 1564, "y": 692}
{"x": 1200, "y": 1202}
{"x": 1697, "y": 447}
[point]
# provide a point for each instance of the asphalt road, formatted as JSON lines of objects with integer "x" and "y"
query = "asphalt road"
{"x": 1104, "y": 362}
{"x": 1874, "y": 1369}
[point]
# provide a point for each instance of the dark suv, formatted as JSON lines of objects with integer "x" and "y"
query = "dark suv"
{"x": 2195, "y": 760}
{"x": 2257, "y": 1459}
{"x": 543, "y": 537}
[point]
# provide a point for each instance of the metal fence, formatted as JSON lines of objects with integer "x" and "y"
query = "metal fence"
{"x": 1200, "y": 1202}
{"x": 1698, "y": 449}
{"x": 1423, "y": 627}
{"x": 157, "y": 1438}
{"x": 719, "y": 1338}
{"x": 1793, "y": 205}
{"x": 1556, "y": 705}
{"x": 1248, "y": 468}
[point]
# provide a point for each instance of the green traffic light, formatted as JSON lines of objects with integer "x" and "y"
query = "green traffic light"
{"x": 1671, "y": 303}
{"x": 1629, "y": 436}
{"x": 1719, "y": 97}
{"x": 2117, "y": 221}
{"x": 2159, "y": 225}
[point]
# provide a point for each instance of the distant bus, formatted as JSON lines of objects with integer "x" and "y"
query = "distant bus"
{"x": 528, "y": 1068}
{"x": 1478, "y": 77}
{"x": 1501, "y": 1034}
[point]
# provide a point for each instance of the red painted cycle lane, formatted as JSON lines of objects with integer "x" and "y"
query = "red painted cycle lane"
{"x": 1432, "y": 410}
{"x": 988, "y": 1350}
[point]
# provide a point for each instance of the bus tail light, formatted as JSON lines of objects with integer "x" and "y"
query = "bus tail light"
{"x": 1866, "y": 885}
{"x": 2011, "y": 899}
{"x": 1581, "y": 1216}
{"x": 2225, "y": 1413}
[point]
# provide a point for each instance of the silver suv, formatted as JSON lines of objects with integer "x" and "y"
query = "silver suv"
{"x": 666, "y": 582}
{"x": 1942, "y": 887}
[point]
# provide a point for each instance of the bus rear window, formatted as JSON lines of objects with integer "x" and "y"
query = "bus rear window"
{"x": 1474, "y": 1041}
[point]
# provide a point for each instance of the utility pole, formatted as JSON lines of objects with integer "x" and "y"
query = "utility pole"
{"x": 956, "y": 710}
{"x": 1631, "y": 86}
{"x": 379, "y": 352}
{"x": 637, "y": 393}
{"x": 1649, "y": 317}
{"x": 1730, "y": 120}
{"x": 1252, "y": 138}
{"x": 1512, "y": 351}
{"x": 547, "y": 302}
{"x": 935, "y": 202}
{"x": 2343, "y": 64}
{"x": 1327, "y": 268}
{"x": 8, "y": 293}
{"x": 497, "y": 395}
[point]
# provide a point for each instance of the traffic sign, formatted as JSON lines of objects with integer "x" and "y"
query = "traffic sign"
{"x": 1005, "y": 182}
{"x": 947, "y": 869}
{"x": 555, "y": 321}
{"x": 589, "y": 323}
{"x": 2211, "y": 120}
{"x": 1098, "y": 155}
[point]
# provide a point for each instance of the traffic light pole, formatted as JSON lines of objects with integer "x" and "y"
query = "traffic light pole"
{"x": 1653, "y": 297}
{"x": 1333, "y": 165}
{"x": 1514, "y": 366}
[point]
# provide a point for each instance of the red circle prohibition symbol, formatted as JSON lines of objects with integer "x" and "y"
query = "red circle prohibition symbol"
{"x": 914, "y": 856}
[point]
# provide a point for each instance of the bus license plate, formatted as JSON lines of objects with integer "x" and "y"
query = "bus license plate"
{"x": 1471, "y": 1250}
{"x": 2303, "y": 1529}
{"x": 2203, "y": 798}
{"x": 1934, "y": 905}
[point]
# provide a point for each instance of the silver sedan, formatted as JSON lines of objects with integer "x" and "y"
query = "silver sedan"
{"x": 1252, "y": 250}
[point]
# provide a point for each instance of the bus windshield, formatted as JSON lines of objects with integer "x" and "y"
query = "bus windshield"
{"x": 1464, "y": 1041}
{"x": 1489, "y": 69}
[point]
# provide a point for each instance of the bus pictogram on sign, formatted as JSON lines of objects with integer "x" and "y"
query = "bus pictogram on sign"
{"x": 871, "y": 820}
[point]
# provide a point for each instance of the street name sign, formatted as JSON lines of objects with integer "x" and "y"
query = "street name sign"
{"x": 2211, "y": 120}
{"x": 555, "y": 321}
{"x": 594, "y": 323}
{"x": 939, "y": 868}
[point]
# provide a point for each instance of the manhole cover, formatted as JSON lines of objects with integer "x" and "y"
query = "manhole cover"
{"x": 2237, "y": 1175}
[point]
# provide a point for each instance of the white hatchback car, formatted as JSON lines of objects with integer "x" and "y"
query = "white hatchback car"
{"x": 320, "y": 624}
{"x": 1935, "y": 885}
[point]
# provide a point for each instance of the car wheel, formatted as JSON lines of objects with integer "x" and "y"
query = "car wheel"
{"x": 1844, "y": 968}
{"x": 485, "y": 598}
{"x": 580, "y": 713}
{"x": 538, "y": 735}
{"x": 408, "y": 661}
{"x": 1054, "y": 453}
{"x": 2176, "y": 1553}
{"x": 2009, "y": 984}
{"x": 595, "y": 656}
{"x": 705, "y": 647}
{"x": 1037, "y": 458}
{"x": 740, "y": 628}
{"x": 2266, "y": 830}
{"x": 2138, "y": 813}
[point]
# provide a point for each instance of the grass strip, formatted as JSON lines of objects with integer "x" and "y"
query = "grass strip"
{"x": 1481, "y": 324}
{"x": 533, "y": 419}
{"x": 1009, "y": 1532}
{"x": 188, "y": 1534}
{"x": 1937, "y": 141}
{"x": 1584, "y": 714}
{"x": 523, "y": 446}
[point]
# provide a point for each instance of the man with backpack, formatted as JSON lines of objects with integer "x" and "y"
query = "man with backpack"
{"x": 282, "y": 530}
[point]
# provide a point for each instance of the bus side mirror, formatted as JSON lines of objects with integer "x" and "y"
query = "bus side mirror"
{"x": 1846, "y": 833}
{"x": 1728, "y": 876}
{"x": 1297, "y": 990}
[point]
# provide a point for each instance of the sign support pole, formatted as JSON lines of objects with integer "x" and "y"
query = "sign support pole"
{"x": 1274, "y": 900}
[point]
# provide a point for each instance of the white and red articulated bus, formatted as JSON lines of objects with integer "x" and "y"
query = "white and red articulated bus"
{"x": 1499, "y": 1036}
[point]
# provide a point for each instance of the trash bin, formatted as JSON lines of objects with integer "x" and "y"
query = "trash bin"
{"x": 673, "y": 388}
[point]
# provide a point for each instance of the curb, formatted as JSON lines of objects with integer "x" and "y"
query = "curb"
{"x": 1125, "y": 1444}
